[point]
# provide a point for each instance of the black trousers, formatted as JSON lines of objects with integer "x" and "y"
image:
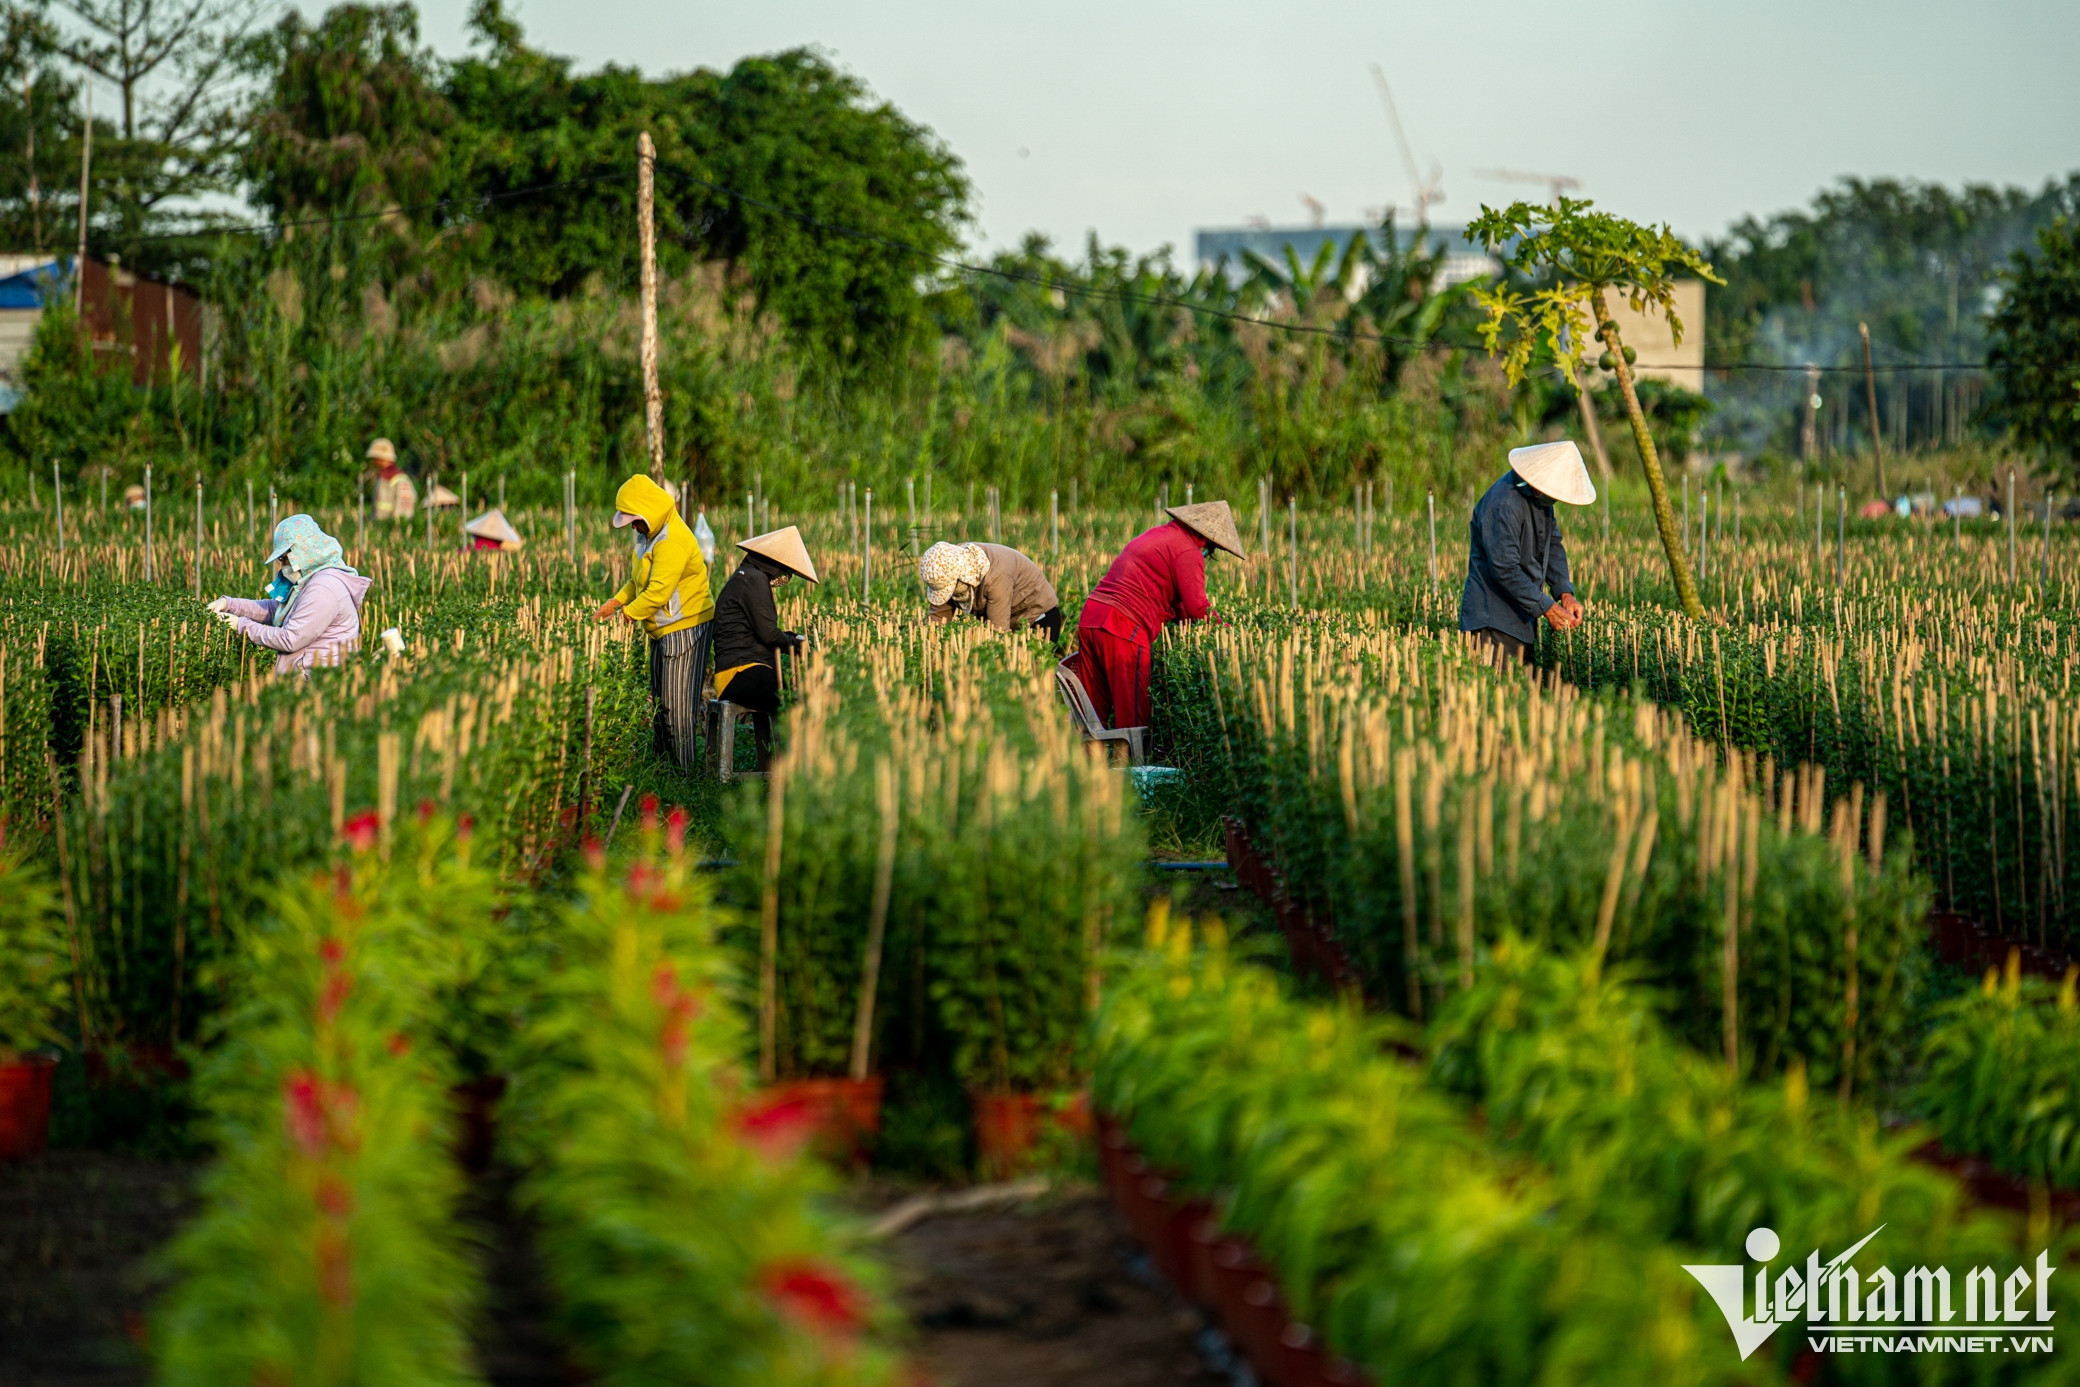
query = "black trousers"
{"x": 1499, "y": 647}
{"x": 757, "y": 688}
{"x": 1050, "y": 621}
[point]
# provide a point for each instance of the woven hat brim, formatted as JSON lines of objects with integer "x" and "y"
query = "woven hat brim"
{"x": 1213, "y": 522}
{"x": 785, "y": 548}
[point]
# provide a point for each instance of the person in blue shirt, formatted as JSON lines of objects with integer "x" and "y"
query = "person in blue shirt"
{"x": 1516, "y": 568}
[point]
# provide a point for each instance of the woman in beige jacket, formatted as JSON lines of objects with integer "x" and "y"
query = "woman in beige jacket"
{"x": 992, "y": 583}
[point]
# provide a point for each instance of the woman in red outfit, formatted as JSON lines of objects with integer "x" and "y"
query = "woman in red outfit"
{"x": 1160, "y": 577}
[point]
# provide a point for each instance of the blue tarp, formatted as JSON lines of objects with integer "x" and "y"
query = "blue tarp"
{"x": 33, "y": 287}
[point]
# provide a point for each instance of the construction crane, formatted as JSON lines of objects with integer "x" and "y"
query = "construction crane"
{"x": 1557, "y": 183}
{"x": 1423, "y": 192}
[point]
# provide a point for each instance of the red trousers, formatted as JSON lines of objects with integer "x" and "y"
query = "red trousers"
{"x": 1114, "y": 660}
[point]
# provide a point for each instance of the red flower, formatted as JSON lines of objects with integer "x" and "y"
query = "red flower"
{"x": 681, "y": 1009}
{"x": 649, "y": 813}
{"x": 303, "y": 1108}
{"x": 332, "y": 951}
{"x": 425, "y": 812}
{"x": 332, "y": 994}
{"x": 777, "y": 1128}
{"x": 815, "y": 1295}
{"x": 675, "y": 830}
{"x": 399, "y": 1044}
{"x": 595, "y": 854}
{"x": 335, "y": 1198}
{"x": 360, "y": 831}
{"x": 464, "y": 827}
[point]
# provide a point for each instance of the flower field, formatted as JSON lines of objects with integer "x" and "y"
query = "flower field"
{"x": 1585, "y": 972}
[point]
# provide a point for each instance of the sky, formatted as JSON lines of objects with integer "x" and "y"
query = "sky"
{"x": 1143, "y": 120}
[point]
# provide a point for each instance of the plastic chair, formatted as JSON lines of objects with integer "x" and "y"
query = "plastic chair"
{"x": 723, "y": 719}
{"x": 1134, "y": 739}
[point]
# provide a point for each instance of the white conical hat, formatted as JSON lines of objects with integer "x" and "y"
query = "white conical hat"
{"x": 1211, "y": 521}
{"x": 492, "y": 524}
{"x": 439, "y": 495}
{"x": 783, "y": 547}
{"x": 1556, "y": 469}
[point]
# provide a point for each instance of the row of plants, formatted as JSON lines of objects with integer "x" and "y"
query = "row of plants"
{"x": 1546, "y": 1232}
{"x": 1998, "y": 1076}
{"x": 681, "y": 1228}
{"x": 1427, "y": 806}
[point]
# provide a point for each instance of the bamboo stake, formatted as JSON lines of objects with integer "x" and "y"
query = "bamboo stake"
{"x": 646, "y": 226}
{"x": 889, "y": 804}
{"x": 769, "y": 926}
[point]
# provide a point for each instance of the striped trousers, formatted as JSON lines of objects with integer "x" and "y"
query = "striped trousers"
{"x": 678, "y": 673}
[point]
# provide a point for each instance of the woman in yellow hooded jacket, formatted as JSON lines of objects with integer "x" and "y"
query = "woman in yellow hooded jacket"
{"x": 667, "y": 592}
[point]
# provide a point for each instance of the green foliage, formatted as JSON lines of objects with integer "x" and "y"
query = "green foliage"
{"x": 680, "y": 1226}
{"x": 326, "y": 1253}
{"x": 353, "y": 120}
{"x": 35, "y": 963}
{"x": 1998, "y": 1076}
{"x": 2035, "y": 353}
{"x": 1393, "y": 1231}
{"x": 1573, "y": 251}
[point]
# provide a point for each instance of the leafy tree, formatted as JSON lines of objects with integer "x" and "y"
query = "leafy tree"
{"x": 38, "y": 119}
{"x": 2035, "y": 357}
{"x": 178, "y": 79}
{"x": 745, "y": 160}
{"x": 1580, "y": 256}
{"x": 351, "y": 119}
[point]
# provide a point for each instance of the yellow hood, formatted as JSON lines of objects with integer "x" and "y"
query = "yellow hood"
{"x": 641, "y": 497}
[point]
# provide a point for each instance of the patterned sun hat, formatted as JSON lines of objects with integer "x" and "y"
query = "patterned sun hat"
{"x": 944, "y": 568}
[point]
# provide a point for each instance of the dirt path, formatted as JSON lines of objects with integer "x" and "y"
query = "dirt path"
{"x": 1038, "y": 1296}
{"x": 77, "y": 1230}
{"x": 1046, "y": 1296}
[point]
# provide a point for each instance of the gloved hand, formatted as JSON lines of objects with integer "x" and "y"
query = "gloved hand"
{"x": 217, "y": 606}
{"x": 791, "y": 640}
{"x": 230, "y": 619}
{"x": 607, "y": 609}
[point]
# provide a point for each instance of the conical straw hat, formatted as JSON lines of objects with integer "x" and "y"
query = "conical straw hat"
{"x": 439, "y": 495}
{"x": 1556, "y": 469}
{"x": 783, "y": 547}
{"x": 1211, "y": 521}
{"x": 492, "y": 524}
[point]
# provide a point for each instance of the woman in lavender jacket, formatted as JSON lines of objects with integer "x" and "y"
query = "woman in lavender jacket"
{"x": 312, "y": 611}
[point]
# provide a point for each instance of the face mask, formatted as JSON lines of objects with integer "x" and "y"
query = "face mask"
{"x": 281, "y": 587}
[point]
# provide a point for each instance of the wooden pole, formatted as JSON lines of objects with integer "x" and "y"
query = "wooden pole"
{"x": 877, "y": 920}
{"x": 769, "y": 927}
{"x": 86, "y": 165}
{"x": 1870, "y": 393}
{"x": 653, "y": 399}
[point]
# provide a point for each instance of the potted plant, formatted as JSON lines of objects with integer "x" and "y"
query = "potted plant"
{"x": 35, "y": 974}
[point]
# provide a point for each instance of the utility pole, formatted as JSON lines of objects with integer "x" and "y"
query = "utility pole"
{"x": 86, "y": 164}
{"x": 1870, "y": 392}
{"x": 646, "y": 220}
{"x": 1809, "y": 436}
{"x": 35, "y": 198}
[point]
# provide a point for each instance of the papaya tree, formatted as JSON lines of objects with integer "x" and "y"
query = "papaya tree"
{"x": 1577, "y": 257}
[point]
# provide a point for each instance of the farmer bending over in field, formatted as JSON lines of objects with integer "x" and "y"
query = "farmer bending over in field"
{"x": 667, "y": 591}
{"x": 1158, "y": 578}
{"x": 748, "y": 638}
{"x": 992, "y": 583}
{"x": 312, "y": 611}
{"x": 1518, "y": 554}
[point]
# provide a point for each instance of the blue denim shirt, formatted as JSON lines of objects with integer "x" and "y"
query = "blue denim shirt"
{"x": 1517, "y": 553}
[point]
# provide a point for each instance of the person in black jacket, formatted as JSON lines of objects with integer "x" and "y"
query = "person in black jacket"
{"x": 748, "y": 638}
{"x": 1517, "y": 554}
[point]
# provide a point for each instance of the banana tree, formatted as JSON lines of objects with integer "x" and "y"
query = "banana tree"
{"x": 1580, "y": 256}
